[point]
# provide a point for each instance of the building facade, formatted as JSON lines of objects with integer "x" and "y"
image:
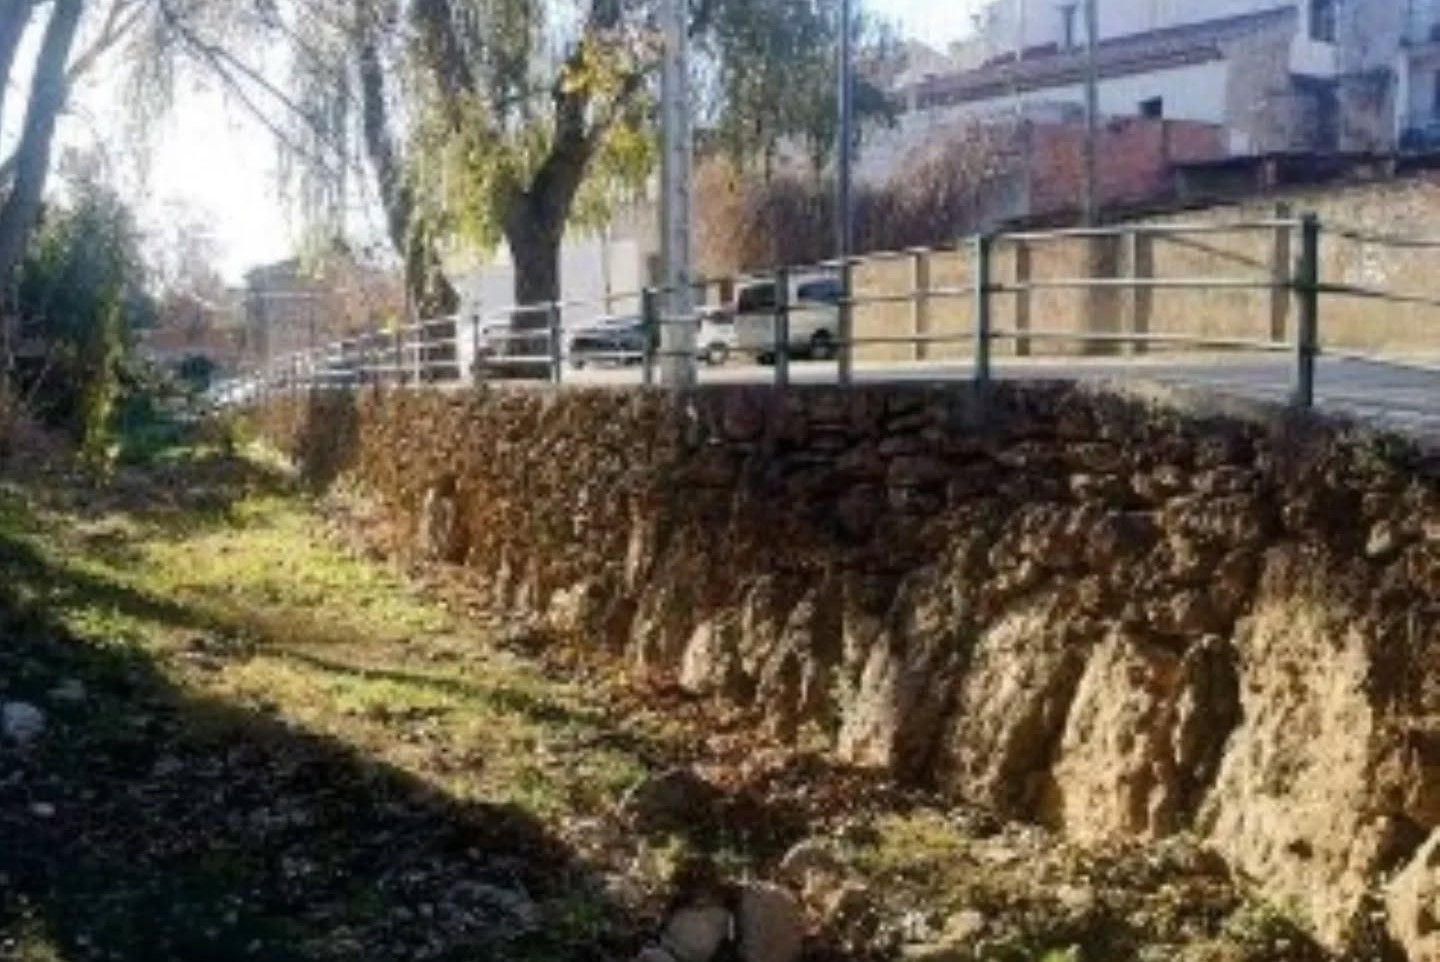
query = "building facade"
{"x": 1277, "y": 75}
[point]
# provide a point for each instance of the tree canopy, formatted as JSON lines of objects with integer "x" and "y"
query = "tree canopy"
{"x": 485, "y": 121}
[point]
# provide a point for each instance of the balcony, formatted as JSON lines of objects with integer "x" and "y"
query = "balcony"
{"x": 1422, "y": 22}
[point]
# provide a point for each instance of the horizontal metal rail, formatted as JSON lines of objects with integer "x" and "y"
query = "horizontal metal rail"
{"x": 550, "y": 336}
{"x": 1125, "y": 337}
{"x": 1383, "y": 238}
{"x": 1363, "y": 357}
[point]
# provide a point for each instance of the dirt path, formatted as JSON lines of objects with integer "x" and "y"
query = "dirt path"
{"x": 260, "y": 742}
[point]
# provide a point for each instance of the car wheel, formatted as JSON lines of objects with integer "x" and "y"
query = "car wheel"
{"x": 577, "y": 363}
{"x": 822, "y": 346}
{"x": 765, "y": 358}
{"x": 717, "y": 354}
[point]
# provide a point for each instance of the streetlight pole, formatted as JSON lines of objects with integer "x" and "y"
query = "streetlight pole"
{"x": 844, "y": 199}
{"x": 1092, "y": 114}
{"x": 677, "y": 335}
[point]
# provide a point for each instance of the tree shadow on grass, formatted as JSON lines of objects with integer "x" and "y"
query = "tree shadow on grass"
{"x": 151, "y": 824}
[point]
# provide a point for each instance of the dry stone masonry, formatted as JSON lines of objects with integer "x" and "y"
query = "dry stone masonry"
{"x": 1115, "y": 615}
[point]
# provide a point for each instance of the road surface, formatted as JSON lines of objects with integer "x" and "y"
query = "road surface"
{"x": 1380, "y": 394}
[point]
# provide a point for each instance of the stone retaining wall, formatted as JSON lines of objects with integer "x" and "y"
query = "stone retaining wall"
{"x": 1114, "y": 615}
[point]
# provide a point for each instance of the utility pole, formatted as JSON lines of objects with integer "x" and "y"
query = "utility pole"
{"x": 677, "y": 334}
{"x": 844, "y": 199}
{"x": 1092, "y": 114}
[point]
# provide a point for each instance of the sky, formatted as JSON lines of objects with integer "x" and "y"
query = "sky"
{"x": 212, "y": 161}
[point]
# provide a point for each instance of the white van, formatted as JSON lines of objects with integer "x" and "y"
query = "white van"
{"x": 814, "y": 318}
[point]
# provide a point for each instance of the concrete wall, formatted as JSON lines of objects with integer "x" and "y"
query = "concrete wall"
{"x": 1410, "y": 206}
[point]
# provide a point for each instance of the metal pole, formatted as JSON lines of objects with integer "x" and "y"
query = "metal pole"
{"x": 844, "y": 200}
{"x": 920, "y": 309}
{"x": 677, "y": 340}
{"x": 476, "y": 368}
{"x": 650, "y": 312}
{"x": 557, "y": 343}
{"x": 1307, "y": 291}
{"x": 1092, "y": 114}
{"x": 982, "y": 308}
{"x": 782, "y": 328}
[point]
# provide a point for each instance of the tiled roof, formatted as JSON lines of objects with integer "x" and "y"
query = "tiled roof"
{"x": 1117, "y": 57}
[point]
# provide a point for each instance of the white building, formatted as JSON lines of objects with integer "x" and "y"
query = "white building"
{"x": 1279, "y": 75}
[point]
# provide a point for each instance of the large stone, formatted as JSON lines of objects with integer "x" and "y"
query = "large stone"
{"x": 1011, "y": 710}
{"x": 695, "y": 934}
{"x": 1295, "y": 805}
{"x": 1145, "y": 724}
{"x": 769, "y": 924}
{"x": 674, "y": 800}
{"x": 440, "y": 535}
{"x": 21, "y": 722}
{"x": 1412, "y": 901}
{"x": 909, "y": 663}
{"x": 711, "y": 662}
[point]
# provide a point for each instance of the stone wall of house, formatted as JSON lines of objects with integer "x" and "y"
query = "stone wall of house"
{"x": 1118, "y": 615}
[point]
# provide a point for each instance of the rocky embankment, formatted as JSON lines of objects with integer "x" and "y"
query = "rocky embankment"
{"x": 1116, "y": 616}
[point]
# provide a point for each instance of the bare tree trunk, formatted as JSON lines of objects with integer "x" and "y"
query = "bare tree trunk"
{"x": 48, "y": 93}
{"x": 14, "y": 18}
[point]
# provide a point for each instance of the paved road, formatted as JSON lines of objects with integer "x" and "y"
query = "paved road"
{"x": 1399, "y": 399}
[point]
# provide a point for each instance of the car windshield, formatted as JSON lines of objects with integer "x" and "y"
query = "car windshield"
{"x": 824, "y": 292}
{"x": 759, "y": 297}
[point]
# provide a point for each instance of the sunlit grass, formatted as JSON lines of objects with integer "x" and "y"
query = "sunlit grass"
{"x": 259, "y": 607}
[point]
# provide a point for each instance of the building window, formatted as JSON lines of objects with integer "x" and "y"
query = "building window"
{"x": 1067, "y": 26}
{"x": 1322, "y": 20}
{"x": 1153, "y": 108}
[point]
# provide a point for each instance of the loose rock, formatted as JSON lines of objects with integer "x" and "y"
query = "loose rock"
{"x": 21, "y": 722}
{"x": 769, "y": 924}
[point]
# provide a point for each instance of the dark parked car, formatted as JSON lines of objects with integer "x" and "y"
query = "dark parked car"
{"x": 613, "y": 340}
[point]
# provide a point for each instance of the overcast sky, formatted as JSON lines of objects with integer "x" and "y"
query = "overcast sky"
{"x": 212, "y": 158}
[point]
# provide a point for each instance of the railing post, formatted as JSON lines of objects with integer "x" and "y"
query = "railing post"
{"x": 1282, "y": 292}
{"x": 1024, "y": 272}
{"x": 557, "y": 342}
{"x": 846, "y": 357}
{"x": 920, "y": 311}
{"x": 1307, "y": 291}
{"x": 782, "y": 328}
{"x": 650, "y": 315}
{"x": 1140, "y": 260}
{"x": 475, "y": 365}
{"x": 981, "y": 252}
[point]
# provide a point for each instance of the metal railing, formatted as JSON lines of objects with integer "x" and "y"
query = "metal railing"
{"x": 781, "y": 319}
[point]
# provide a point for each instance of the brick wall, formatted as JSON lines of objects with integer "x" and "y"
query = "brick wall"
{"x": 1135, "y": 159}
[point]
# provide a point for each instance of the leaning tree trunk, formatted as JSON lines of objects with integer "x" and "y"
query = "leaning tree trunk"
{"x": 48, "y": 93}
{"x": 534, "y": 234}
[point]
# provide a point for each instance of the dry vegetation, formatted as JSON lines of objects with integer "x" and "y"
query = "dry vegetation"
{"x": 748, "y": 222}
